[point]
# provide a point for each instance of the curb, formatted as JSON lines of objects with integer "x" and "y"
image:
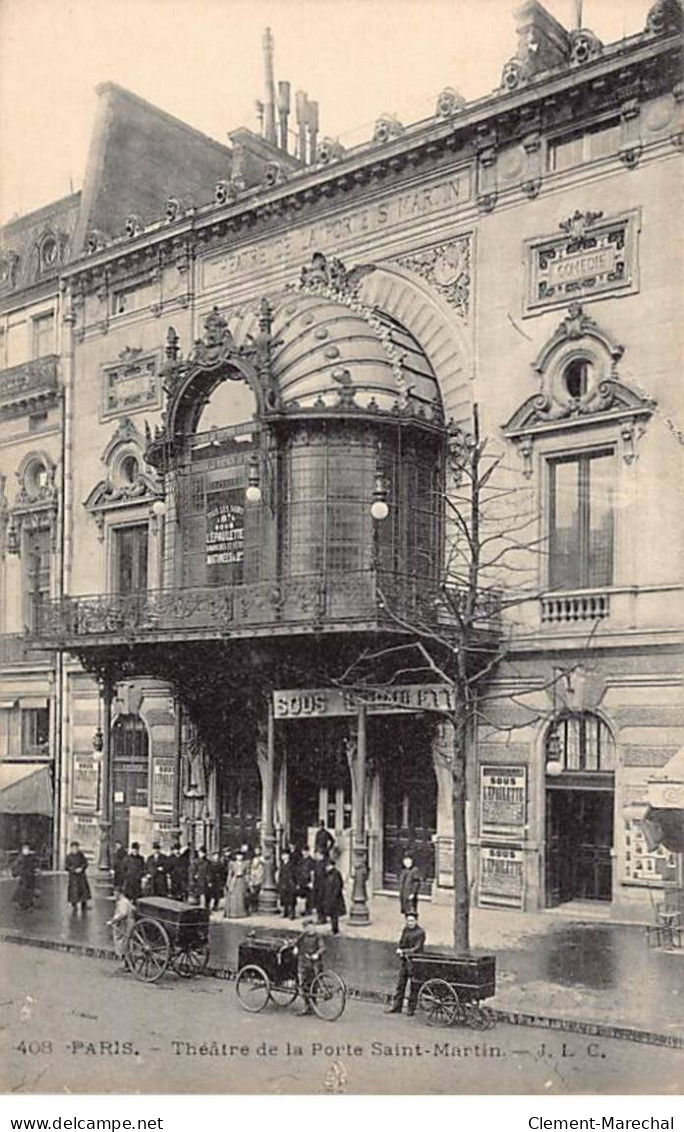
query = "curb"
{"x": 511, "y": 1017}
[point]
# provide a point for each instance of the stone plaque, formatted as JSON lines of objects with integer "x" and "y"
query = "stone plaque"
{"x": 131, "y": 384}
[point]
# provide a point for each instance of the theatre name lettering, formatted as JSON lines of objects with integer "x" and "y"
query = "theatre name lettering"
{"x": 311, "y": 703}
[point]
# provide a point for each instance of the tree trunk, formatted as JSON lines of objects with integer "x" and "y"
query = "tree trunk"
{"x": 461, "y": 924}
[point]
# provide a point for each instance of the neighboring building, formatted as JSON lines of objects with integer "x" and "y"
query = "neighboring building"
{"x": 235, "y": 401}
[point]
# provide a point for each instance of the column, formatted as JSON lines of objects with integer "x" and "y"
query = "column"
{"x": 268, "y": 898}
{"x": 104, "y": 880}
{"x": 358, "y": 913}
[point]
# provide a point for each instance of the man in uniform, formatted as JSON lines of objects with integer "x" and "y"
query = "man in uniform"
{"x": 412, "y": 942}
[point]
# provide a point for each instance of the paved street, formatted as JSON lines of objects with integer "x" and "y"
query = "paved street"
{"x": 76, "y": 1024}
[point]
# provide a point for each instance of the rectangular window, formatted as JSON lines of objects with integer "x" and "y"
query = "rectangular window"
{"x": 35, "y": 731}
{"x": 130, "y": 558}
{"x": 581, "y": 521}
{"x": 37, "y": 576}
{"x": 43, "y": 330}
{"x": 581, "y": 146}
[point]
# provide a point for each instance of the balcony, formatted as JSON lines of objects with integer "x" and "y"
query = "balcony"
{"x": 362, "y": 600}
{"x": 17, "y": 648}
{"x": 568, "y": 608}
{"x": 30, "y": 387}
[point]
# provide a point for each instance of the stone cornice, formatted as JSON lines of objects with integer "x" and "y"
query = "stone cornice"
{"x": 635, "y": 66}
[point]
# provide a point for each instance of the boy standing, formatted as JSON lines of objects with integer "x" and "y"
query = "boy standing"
{"x": 309, "y": 950}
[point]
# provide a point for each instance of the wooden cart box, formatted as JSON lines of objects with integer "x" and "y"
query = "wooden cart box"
{"x": 279, "y": 963}
{"x": 185, "y": 923}
{"x": 473, "y": 976}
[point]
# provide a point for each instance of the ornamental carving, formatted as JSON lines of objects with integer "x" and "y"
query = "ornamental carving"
{"x": 579, "y": 385}
{"x": 125, "y": 482}
{"x": 132, "y": 383}
{"x": 593, "y": 255}
{"x": 330, "y": 277}
{"x": 665, "y": 17}
{"x": 447, "y": 269}
{"x": 36, "y": 502}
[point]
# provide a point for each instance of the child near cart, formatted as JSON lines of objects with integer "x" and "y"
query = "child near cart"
{"x": 308, "y": 948}
{"x": 121, "y": 923}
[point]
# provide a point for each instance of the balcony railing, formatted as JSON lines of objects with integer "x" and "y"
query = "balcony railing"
{"x": 17, "y": 648}
{"x": 28, "y": 387}
{"x": 353, "y": 599}
{"x": 566, "y": 608}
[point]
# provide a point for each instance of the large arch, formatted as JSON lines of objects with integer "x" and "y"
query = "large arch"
{"x": 447, "y": 343}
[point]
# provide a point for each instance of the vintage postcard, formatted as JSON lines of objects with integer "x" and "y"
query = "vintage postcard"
{"x": 341, "y": 542}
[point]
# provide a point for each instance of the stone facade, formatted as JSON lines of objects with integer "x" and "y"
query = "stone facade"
{"x": 525, "y": 243}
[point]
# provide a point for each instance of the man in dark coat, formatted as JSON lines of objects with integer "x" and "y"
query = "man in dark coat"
{"x": 178, "y": 865}
{"x": 158, "y": 872}
{"x": 411, "y": 943}
{"x": 79, "y": 890}
{"x": 118, "y": 865}
{"x": 25, "y": 868}
{"x": 409, "y": 886}
{"x": 218, "y": 872}
{"x": 200, "y": 877}
{"x": 304, "y": 869}
{"x": 318, "y": 886}
{"x": 287, "y": 885}
{"x": 333, "y": 896}
{"x": 133, "y": 873}
{"x": 324, "y": 840}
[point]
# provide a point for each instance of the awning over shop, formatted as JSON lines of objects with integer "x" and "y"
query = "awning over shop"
{"x": 26, "y": 788}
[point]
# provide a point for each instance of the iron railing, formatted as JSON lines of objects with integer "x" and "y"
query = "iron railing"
{"x": 296, "y": 603}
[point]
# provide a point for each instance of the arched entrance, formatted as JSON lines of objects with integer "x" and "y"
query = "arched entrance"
{"x": 130, "y": 772}
{"x": 580, "y": 797}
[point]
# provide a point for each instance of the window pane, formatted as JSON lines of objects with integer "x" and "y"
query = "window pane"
{"x": 130, "y": 559}
{"x": 600, "y": 557}
{"x": 564, "y": 566}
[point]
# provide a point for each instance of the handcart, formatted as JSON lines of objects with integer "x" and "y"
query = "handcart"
{"x": 167, "y": 933}
{"x": 452, "y": 988}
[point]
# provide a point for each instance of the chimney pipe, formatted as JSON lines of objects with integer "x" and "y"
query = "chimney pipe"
{"x": 312, "y": 122}
{"x": 302, "y": 103}
{"x": 283, "y": 112}
{"x": 269, "y": 105}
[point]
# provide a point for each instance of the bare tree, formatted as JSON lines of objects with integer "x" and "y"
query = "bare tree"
{"x": 461, "y": 629}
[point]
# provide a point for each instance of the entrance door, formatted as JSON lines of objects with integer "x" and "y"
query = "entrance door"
{"x": 130, "y": 749}
{"x": 241, "y": 802}
{"x": 409, "y": 789}
{"x": 579, "y": 839}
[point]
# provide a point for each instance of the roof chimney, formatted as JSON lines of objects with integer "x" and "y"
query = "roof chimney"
{"x": 269, "y": 80}
{"x": 283, "y": 112}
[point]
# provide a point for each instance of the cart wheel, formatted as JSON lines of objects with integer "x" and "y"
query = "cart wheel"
{"x": 285, "y": 993}
{"x": 148, "y": 950}
{"x": 477, "y": 1017}
{"x": 253, "y": 988}
{"x": 438, "y": 1003}
{"x": 191, "y": 961}
{"x": 328, "y": 995}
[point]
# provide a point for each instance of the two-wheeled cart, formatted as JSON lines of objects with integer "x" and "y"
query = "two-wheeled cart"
{"x": 452, "y": 988}
{"x": 167, "y": 933}
{"x": 268, "y": 972}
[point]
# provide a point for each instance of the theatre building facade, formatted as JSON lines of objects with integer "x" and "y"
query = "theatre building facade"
{"x": 263, "y": 394}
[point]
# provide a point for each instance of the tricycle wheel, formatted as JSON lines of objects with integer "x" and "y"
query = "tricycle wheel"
{"x": 253, "y": 988}
{"x": 285, "y": 993}
{"x": 191, "y": 961}
{"x": 438, "y": 1003}
{"x": 148, "y": 950}
{"x": 328, "y": 995}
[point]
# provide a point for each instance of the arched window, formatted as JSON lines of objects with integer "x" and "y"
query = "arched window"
{"x": 579, "y": 743}
{"x": 130, "y": 741}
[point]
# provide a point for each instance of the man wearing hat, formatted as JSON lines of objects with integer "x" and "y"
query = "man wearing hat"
{"x": 411, "y": 943}
{"x": 133, "y": 872}
{"x": 158, "y": 871}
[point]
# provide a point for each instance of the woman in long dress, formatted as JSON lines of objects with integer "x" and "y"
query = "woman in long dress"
{"x": 236, "y": 889}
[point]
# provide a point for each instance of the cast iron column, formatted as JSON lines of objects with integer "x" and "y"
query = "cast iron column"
{"x": 104, "y": 878}
{"x": 268, "y": 897}
{"x": 358, "y": 913}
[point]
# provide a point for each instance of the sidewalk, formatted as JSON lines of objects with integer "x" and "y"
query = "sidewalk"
{"x": 594, "y": 976}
